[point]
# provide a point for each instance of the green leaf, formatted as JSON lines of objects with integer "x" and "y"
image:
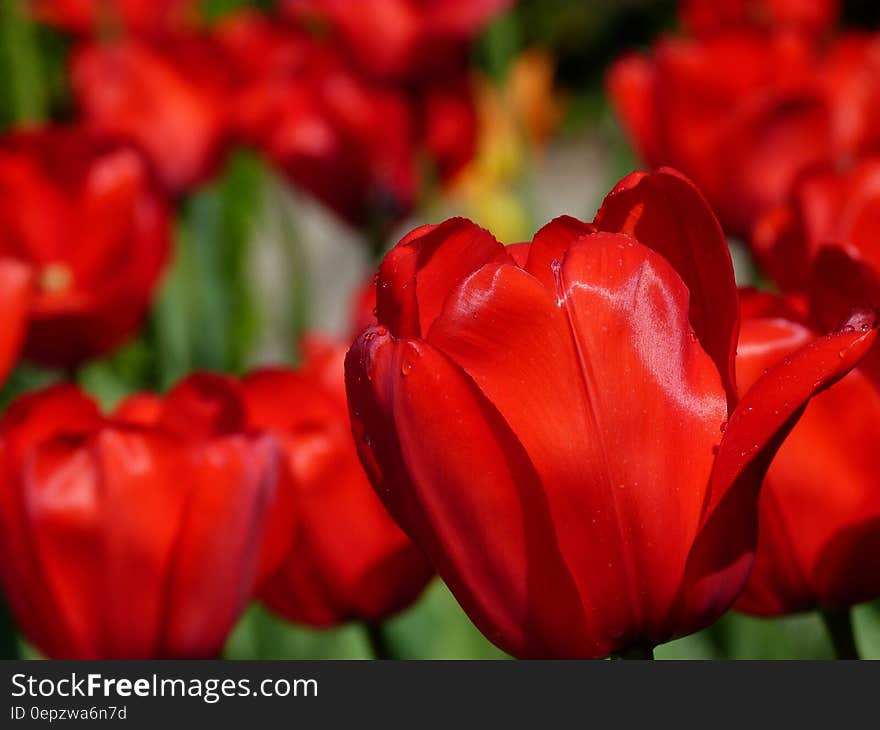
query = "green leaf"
{"x": 437, "y": 628}
{"x": 261, "y": 635}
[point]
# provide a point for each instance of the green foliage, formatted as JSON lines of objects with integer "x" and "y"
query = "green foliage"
{"x": 204, "y": 318}
{"x": 434, "y": 628}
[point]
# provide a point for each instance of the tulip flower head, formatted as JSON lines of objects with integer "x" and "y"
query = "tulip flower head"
{"x": 130, "y": 541}
{"x": 830, "y": 206}
{"x": 746, "y": 112}
{"x": 557, "y": 424}
{"x": 348, "y": 559}
{"x": 819, "y": 526}
{"x": 343, "y": 138}
{"x": 94, "y": 232}
{"x": 168, "y": 99}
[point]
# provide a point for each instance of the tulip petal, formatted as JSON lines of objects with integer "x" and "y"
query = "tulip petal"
{"x": 457, "y": 480}
{"x": 667, "y": 213}
{"x": 819, "y": 499}
{"x": 349, "y": 560}
{"x": 722, "y": 554}
{"x": 418, "y": 272}
{"x": 840, "y": 281}
{"x": 15, "y": 288}
{"x": 62, "y": 512}
{"x": 142, "y": 506}
{"x": 597, "y": 380}
{"x": 33, "y": 418}
{"x": 551, "y": 243}
{"x": 231, "y": 482}
{"x": 204, "y": 405}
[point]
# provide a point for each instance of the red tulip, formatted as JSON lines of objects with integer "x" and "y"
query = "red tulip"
{"x": 348, "y": 559}
{"x": 346, "y": 140}
{"x": 558, "y": 426}
{"x": 167, "y": 99}
{"x": 96, "y": 234}
{"x": 125, "y": 541}
{"x": 819, "y": 534}
{"x": 745, "y": 113}
{"x": 828, "y": 207}
{"x": 400, "y": 39}
{"x": 206, "y": 405}
{"x": 16, "y": 280}
{"x": 92, "y": 17}
{"x": 708, "y": 16}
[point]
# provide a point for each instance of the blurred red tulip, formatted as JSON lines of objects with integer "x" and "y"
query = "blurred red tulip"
{"x": 204, "y": 406}
{"x": 828, "y": 207}
{"x": 400, "y": 39}
{"x": 169, "y": 99}
{"x": 745, "y": 113}
{"x": 16, "y": 282}
{"x": 819, "y": 526}
{"x": 349, "y": 560}
{"x": 558, "y": 426}
{"x": 346, "y": 140}
{"x": 94, "y": 17}
{"x": 708, "y": 16}
{"x": 125, "y": 541}
{"x": 87, "y": 221}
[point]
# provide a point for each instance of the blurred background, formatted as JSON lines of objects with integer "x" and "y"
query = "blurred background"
{"x": 259, "y": 257}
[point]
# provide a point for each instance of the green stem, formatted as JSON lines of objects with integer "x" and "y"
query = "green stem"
{"x": 840, "y": 630}
{"x": 637, "y": 651}
{"x": 378, "y": 639}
